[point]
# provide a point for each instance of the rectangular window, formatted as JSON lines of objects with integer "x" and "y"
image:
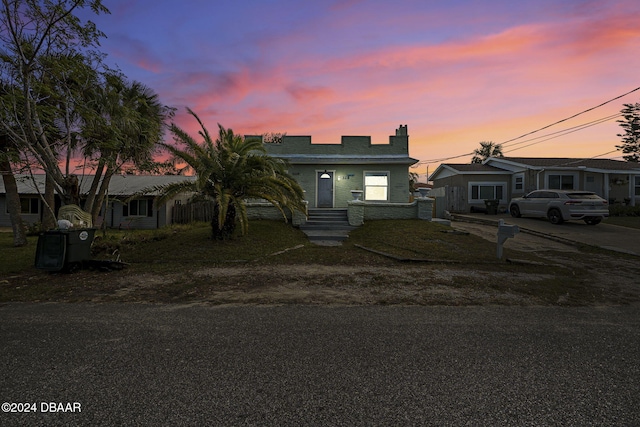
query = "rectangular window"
{"x": 376, "y": 186}
{"x": 487, "y": 191}
{"x": 518, "y": 183}
{"x": 138, "y": 207}
{"x": 29, "y": 205}
{"x": 561, "y": 182}
{"x": 637, "y": 186}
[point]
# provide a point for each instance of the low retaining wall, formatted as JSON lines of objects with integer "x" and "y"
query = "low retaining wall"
{"x": 359, "y": 211}
{"x": 265, "y": 210}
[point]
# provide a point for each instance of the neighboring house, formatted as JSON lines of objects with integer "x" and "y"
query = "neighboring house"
{"x": 465, "y": 187}
{"x": 137, "y": 213}
{"x": 329, "y": 173}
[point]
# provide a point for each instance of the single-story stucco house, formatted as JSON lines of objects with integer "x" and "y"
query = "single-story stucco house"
{"x": 137, "y": 213}
{"x": 465, "y": 187}
{"x": 369, "y": 181}
{"x": 329, "y": 173}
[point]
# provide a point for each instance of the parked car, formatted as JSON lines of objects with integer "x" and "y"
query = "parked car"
{"x": 561, "y": 205}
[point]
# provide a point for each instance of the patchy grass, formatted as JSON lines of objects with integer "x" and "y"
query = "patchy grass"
{"x": 276, "y": 264}
{"x": 16, "y": 260}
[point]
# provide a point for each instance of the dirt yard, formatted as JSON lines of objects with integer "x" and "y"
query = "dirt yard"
{"x": 423, "y": 284}
{"x": 566, "y": 277}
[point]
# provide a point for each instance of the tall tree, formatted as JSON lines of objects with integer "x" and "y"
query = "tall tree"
{"x": 12, "y": 197}
{"x": 230, "y": 170}
{"x": 71, "y": 104}
{"x": 128, "y": 125}
{"x": 487, "y": 149}
{"x": 32, "y": 33}
{"x": 631, "y": 136}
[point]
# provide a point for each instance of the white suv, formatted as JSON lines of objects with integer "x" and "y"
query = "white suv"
{"x": 561, "y": 205}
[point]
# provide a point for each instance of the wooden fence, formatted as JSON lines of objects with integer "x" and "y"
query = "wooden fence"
{"x": 192, "y": 212}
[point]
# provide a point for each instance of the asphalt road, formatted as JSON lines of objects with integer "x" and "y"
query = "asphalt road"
{"x": 128, "y": 364}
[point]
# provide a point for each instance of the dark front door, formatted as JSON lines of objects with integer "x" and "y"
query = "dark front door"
{"x": 325, "y": 189}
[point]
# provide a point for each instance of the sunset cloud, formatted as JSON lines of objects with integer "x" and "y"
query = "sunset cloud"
{"x": 456, "y": 72}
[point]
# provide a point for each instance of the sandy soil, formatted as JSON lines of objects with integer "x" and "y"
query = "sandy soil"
{"x": 566, "y": 277}
{"x": 426, "y": 284}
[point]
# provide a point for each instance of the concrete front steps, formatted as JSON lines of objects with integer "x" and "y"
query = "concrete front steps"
{"x": 327, "y": 227}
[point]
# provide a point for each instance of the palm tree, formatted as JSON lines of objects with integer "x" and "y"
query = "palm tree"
{"x": 228, "y": 171}
{"x": 127, "y": 124}
{"x": 487, "y": 149}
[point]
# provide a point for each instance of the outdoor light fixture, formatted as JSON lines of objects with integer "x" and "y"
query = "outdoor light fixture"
{"x": 325, "y": 175}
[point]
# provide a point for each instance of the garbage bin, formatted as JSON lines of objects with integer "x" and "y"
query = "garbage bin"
{"x": 63, "y": 249}
{"x": 492, "y": 206}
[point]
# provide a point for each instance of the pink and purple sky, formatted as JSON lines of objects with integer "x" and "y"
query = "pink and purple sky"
{"x": 457, "y": 72}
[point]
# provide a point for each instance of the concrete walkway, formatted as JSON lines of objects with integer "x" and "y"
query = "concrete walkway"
{"x": 605, "y": 236}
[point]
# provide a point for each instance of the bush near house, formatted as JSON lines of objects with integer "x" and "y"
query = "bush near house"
{"x": 623, "y": 210}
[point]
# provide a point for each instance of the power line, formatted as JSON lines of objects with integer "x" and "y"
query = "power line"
{"x": 568, "y": 130}
{"x": 574, "y": 116}
{"x": 548, "y": 137}
{"x": 562, "y": 133}
{"x": 579, "y": 127}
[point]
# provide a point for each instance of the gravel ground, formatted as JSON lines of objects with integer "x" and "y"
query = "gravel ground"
{"x": 136, "y": 365}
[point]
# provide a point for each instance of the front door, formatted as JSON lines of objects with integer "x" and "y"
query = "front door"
{"x": 325, "y": 189}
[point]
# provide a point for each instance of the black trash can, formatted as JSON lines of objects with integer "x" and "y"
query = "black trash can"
{"x": 492, "y": 206}
{"x": 64, "y": 249}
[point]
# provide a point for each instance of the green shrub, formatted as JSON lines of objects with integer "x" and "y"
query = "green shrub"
{"x": 34, "y": 229}
{"x": 623, "y": 210}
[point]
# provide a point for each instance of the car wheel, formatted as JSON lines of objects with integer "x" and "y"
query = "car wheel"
{"x": 555, "y": 217}
{"x": 514, "y": 210}
{"x": 593, "y": 221}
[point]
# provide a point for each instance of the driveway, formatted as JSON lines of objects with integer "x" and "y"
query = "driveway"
{"x": 142, "y": 364}
{"x": 607, "y": 236}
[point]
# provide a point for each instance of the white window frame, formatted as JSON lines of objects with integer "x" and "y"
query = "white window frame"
{"x": 138, "y": 202}
{"x": 493, "y": 184}
{"x": 574, "y": 177}
{"x": 516, "y": 177}
{"x": 386, "y": 187}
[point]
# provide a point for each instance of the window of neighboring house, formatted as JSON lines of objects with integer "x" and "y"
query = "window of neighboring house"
{"x": 561, "y": 182}
{"x": 376, "y": 186}
{"x": 28, "y": 206}
{"x": 518, "y": 183}
{"x": 637, "y": 186}
{"x": 487, "y": 191}
{"x": 138, "y": 207}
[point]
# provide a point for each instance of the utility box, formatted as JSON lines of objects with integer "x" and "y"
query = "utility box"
{"x": 63, "y": 249}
